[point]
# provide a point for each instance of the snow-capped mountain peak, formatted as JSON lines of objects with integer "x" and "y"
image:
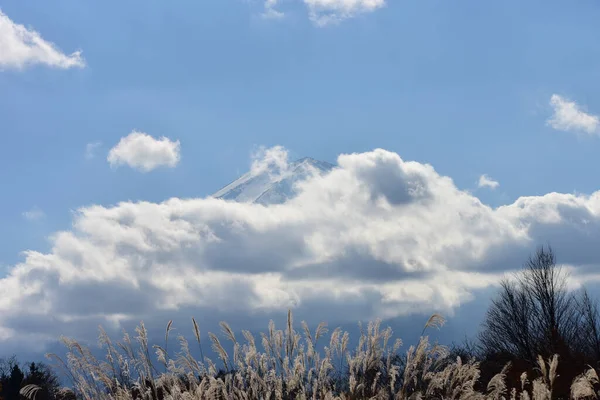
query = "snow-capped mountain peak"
{"x": 274, "y": 185}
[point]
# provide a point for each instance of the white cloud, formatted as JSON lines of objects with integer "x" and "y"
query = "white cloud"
{"x": 569, "y": 117}
{"x": 273, "y": 160}
{"x": 144, "y": 153}
{"x": 91, "y": 148}
{"x": 376, "y": 237}
{"x": 486, "y": 181}
{"x": 34, "y": 214}
{"x": 271, "y": 11}
{"x": 21, "y": 47}
{"x": 323, "y": 12}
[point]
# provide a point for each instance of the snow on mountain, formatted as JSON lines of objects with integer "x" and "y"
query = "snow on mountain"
{"x": 274, "y": 185}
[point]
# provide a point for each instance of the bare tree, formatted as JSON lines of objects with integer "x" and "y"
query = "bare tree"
{"x": 589, "y": 327}
{"x": 555, "y": 312}
{"x": 508, "y": 327}
{"x": 534, "y": 314}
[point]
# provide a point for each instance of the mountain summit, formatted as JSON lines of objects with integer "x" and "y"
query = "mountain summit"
{"x": 274, "y": 185}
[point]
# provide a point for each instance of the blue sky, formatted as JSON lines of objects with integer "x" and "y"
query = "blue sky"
{"x": 509, "y": 89}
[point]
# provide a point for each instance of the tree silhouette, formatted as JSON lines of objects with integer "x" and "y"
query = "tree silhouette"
{"x": 534, "y": 314}
{"x": 42, "y": 376}
{"x": 13, "y": 378}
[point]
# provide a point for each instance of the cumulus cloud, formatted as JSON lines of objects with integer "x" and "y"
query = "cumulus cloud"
{"x": 569, "y": 117}
{"x": 21, "y": 47}
{"x": 487, "y": 182}
{"x": 144, "y": 153}
{"x": 323, "y": 12}
{"x": 378, "y": 236}
{"x": 34, "y": 214}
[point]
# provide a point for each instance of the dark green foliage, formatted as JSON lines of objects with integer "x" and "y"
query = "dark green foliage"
{"x": 13, "y": 377}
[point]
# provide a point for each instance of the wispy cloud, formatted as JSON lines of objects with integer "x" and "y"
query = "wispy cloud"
{"x": 270, "y": 10}
{"x": 91, "y": 148}
{"x": 324, "y": 12}
{"x": 144, "y": 153}
{"x": 34, "y": 214}
{"x": 487, "y": 182}
{"x": 569, "y": 117}
{"x": 20, "y": 47}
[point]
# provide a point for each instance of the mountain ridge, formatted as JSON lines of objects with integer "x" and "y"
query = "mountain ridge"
{"x": 273, "y": 185}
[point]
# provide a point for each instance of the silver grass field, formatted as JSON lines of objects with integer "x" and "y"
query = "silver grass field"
{"x": 289, "y": 367}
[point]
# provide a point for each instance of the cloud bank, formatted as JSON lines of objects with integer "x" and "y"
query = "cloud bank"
{"x": 569, "y": 117}
{"x": 21, "y": 47}
{"x": 376, "y": 237}
{"x": 141, "y": 151}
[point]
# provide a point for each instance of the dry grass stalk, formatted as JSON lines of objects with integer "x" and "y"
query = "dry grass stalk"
{"x": 289, "y": 367}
